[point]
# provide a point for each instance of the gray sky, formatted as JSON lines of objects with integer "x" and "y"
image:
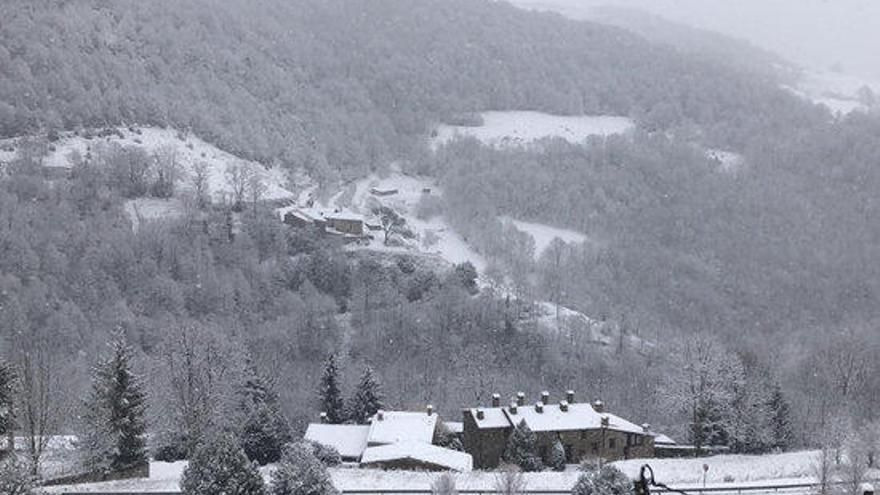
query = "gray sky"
{"x": 814, "y": 33}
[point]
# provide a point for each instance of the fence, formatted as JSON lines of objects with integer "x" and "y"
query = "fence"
{"x": 786, "y": 489}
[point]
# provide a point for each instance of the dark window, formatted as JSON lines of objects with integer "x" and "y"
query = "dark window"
{"x": 595, "y": 447}
{"x": 612, "y": 443}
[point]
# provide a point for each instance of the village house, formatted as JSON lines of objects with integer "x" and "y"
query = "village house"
{"x": 338, "y": 222}
{"x": 393, "y": 440}
{"x": 586, "y": 430}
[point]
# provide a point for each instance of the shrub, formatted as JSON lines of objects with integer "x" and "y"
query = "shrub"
{"x": 444, "y": 485}
{"x": 15, "y": 477}
{"x": 557, "y": 456}
{"x": 608, "y": 480}
{"x": 328, "y": 455}
{"x": 301, "y": 473}
{"x": 220, "y": 466}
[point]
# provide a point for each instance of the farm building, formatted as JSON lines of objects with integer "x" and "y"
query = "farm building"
{"x": 585, "y": 430}
{"x": 393, "y": 440}
{"x": 334, "y": 222}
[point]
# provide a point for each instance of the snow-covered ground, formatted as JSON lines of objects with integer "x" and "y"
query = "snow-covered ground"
{"x": 544, "y": 234}
{"x": 433, "y": 235}
{"x": 787, "y": 468}
{"x": 839, "y": 92}
{"x": 520, "y": 128}
{"x": 728, "y": 161}
{"x": 189, "y": 150}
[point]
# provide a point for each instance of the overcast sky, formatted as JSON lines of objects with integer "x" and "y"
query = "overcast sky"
{"x": 815, "y": 33}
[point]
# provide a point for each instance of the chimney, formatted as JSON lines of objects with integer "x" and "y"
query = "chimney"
{"x": 496, "y": 400}
{"x": 520, "y": 399}
{"x": 430, "y": 409}
{"x": 513, "y": 407}
{"x": 569, "y": 396}
{"x": 480, "y": 414}
{"x": 323, "y": 417}
{"x": 646, "y": 427}
{"x": 604, "y": 421}
{"x": 545, "y": 397}
{"x": 380, "y": 415}
{"x": 563, "y": 406}
{"x": 539, "y": 407}
{"x": 599, "y": 406}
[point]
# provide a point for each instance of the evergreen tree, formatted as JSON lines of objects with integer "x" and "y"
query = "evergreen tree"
{"x": 522, "y": 449}
{"x": 783, "y": 434}
{"x": 220, "y": 465}
{"x": 115, "y": 427}
{"x": 301, "y": 473}
{"x": 261, "y": 426}
{"x": 367, "y": 399}
{"x": 557, "y": 456}
{"x": 330, "y": 393}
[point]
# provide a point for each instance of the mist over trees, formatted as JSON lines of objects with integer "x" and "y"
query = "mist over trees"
{"x": 761, "y": 284}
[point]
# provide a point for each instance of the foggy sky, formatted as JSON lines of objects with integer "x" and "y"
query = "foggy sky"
{"x": 814, "y": 33}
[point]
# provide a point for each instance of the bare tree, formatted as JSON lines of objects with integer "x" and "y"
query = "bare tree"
{"x": 238, "y": 176}
{"x": 166, "y": 171}
{"x": 509, "y": 480}
{"x": 256, "y": 188}
{"x": 38, "y": 404}
{"x": 200, "y": 184}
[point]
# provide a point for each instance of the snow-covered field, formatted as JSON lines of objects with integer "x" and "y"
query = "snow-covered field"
{"x": 839, "y": 92}
{"x": 520, "y": 128}
{"x": 787, "y": 468}
{"x": 188, "y": 150}
{"x": 543, "y": 234}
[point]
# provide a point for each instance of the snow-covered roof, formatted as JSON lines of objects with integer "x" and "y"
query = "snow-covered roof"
{"x": 420, "y": 452}
{"x": 401, "y": 426}
{"x": 493, "y": 417}
{"x": 349, "y": 440}
{"x": 579, "y": 416}
{"x": 661, "y": 439}
{"x": 454, "y": 426}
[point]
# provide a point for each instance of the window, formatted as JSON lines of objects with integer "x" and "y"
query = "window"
{"x": 595, "y": 447}
{"x": 612, "y": 443}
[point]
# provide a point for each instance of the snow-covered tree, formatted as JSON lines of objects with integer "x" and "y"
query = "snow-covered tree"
{"x": 556, "y": 461}
{"x": 330, "y": 393}
{"x": 522, "y": 449}
{"x": 328, "y": 455}
{"x": 15, "y": 477}
{"x": 7, "y": 394}
{"x": 261, "y": 426}
{"x": 855, "y": 466}
{"x": 301, "y": 473}
{"x": 444, "y": 485}
{"x": 509, "y": 480}
{"x": 219, "y": 465}
{"x": 606, "y": 481}
{"x": 367, "y": 398}
{"x": 703, "y": 386}
{"x": 783, "y": 433}
{"x": 114, "y": 416}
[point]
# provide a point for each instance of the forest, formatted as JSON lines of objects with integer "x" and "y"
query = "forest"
{"x": 751, "y": 280}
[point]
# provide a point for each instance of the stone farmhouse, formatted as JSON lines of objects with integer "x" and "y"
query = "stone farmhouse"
{"x": 586, "y": 430}
{"x": 410, "y": 440}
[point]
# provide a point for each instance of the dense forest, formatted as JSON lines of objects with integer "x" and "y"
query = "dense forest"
{"x": 755, "y": 277}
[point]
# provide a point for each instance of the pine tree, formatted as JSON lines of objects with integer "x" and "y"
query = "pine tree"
{"x": 783, "y": 435}
{"x": 301, "y": 473}
{"x": 522, "y": 449}
{"x": 367, "y": 399}
{"x": 330, "y": 393}
{"x": 557, "y": 456}
{"x": 262, "y": 428}
{"x": 220, "y": 466}
{"x": 115, "y": 427}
